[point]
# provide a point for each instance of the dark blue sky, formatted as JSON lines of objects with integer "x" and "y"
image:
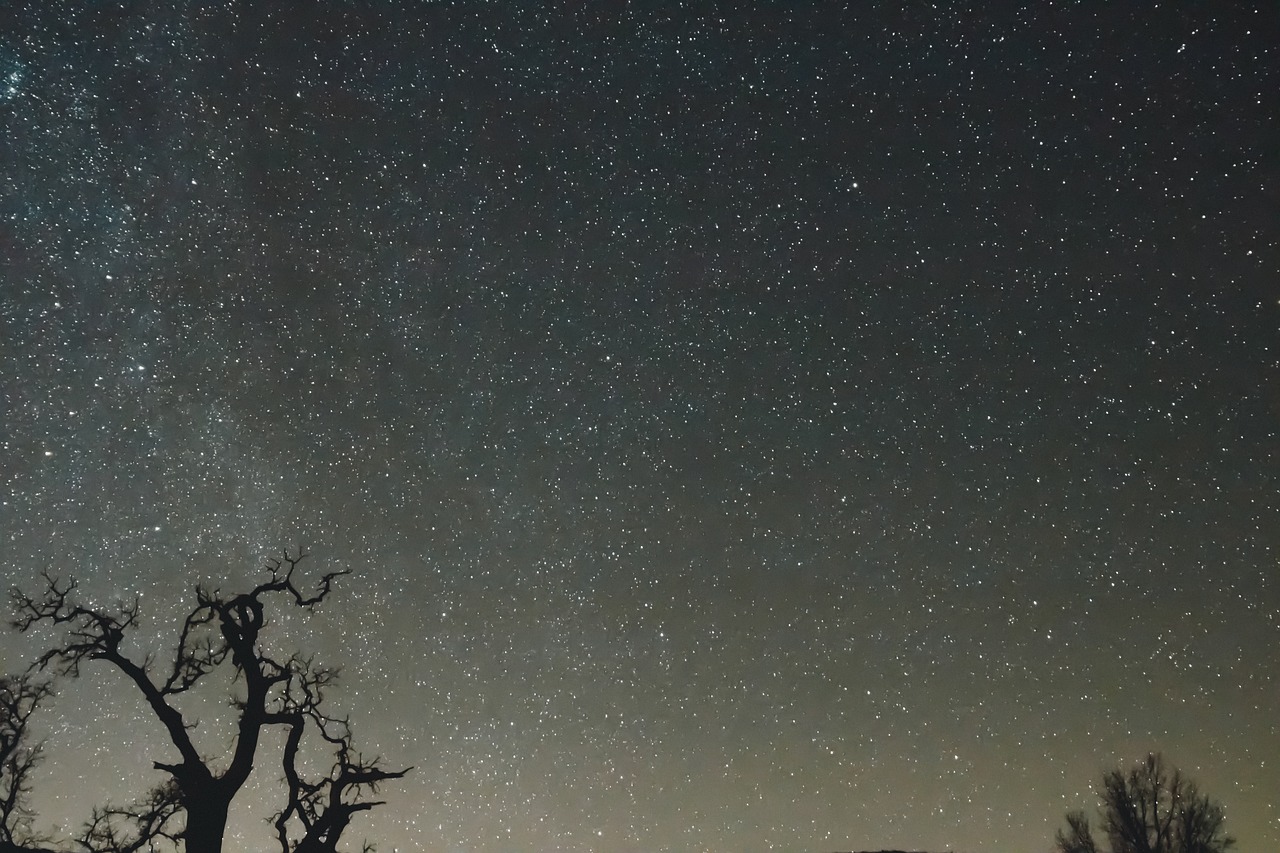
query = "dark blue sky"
{"x": 823, "y": 427}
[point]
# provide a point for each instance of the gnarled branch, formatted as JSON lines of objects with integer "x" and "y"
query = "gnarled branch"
{"x": 146, "y": 825}
{"x": 323, "y": 808}
{"x": 20, "y": 696}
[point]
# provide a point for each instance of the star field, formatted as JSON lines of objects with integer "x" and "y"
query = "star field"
{"x": 818, "y": 427}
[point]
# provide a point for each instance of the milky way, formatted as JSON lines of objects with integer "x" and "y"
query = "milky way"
{"x": 823, "y": 427}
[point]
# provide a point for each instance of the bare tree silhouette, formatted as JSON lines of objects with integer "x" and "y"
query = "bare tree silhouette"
{"x": 1149, "y": 809}
{"x": 20, "y": 696}
{"x": 322, "y": 808}
{"x": 192, "y": 805}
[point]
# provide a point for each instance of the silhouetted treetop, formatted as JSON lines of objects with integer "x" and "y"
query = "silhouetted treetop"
{"x": 1149, "y": 809}
{"x": 189, "y": 807}
{"x": 20, "y": 697}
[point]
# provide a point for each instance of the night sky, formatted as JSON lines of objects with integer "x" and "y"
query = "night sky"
{"x": 822, "y": 427}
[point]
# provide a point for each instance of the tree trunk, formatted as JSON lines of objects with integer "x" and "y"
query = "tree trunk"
{"x": 206, "y": 822}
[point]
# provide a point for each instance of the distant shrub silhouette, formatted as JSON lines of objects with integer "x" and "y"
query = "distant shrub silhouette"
{"x": 1149, "y": 810}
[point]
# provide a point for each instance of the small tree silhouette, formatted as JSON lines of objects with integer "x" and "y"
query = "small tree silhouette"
{"x": 192, "y": 804}
{"x": 20, "y": 696}
{"x": 1149, "y": 810}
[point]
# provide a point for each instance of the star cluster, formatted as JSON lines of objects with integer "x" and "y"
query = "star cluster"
{"x": 811, "y": 427}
